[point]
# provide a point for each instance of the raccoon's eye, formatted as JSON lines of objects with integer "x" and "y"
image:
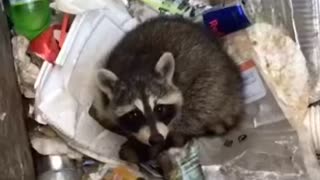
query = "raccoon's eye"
{"x": 165, "y": 112}
{"x": 134, "y": 115}
{"x": 132, "y": 120}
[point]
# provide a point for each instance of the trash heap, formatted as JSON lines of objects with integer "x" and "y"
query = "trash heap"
{"x": 275, "y": 43}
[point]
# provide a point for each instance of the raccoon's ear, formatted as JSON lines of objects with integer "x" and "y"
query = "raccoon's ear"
{"x": 165, "y": 66}
{"x": 106, "y": 81}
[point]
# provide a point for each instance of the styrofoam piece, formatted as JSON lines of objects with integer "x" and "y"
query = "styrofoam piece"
{"x": 65, "y": 95}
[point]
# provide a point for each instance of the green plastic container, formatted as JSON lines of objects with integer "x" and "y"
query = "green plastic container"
{"x": 30, "y": 17}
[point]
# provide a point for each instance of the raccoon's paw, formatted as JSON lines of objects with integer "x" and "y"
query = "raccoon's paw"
{"x": 176, "y": 140}
{"x": 166, "y": 165}
{"x": 127, "y": 153}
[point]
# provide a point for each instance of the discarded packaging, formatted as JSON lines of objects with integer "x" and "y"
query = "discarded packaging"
{"x": 27, "y": 72}
{"x": 64, "y": 95}
{"x": 307, "y": 18}
{"x": 282, "y": 66}
{"x": 178, "y": 7}
{"x": 227, "y": 19}
{"x": 141, "y": 11}
{"x": 266, "y": 152}
{"x": 81, "y": 6}
{"x": 107, "y": 172}
{"x": 184, "y": 163}
{"x": 30, "y": 18}
{"x": 46, "y": 142}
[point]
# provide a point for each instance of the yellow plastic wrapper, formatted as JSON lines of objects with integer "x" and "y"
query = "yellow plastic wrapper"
{"x": 121, "y": 173}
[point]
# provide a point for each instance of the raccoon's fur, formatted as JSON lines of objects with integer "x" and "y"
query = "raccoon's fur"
{"x": 167, "y": 80}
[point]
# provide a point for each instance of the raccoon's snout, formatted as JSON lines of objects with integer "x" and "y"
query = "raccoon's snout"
{"x": 156, "y": 139}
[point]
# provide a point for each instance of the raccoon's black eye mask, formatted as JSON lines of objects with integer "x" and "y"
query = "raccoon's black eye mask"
{"x": 165, "y": 112}
{"x": 132, "y": 121}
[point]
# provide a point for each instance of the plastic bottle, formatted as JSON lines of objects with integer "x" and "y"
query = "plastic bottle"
{"x": 30, "y": 17}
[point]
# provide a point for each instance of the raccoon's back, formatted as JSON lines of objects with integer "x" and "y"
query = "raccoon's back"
{"x": 142, "y": 47}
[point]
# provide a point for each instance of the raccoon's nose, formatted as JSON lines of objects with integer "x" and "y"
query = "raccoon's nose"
{"x": 156, "y": 139}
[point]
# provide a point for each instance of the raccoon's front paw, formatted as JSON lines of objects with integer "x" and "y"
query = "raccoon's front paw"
{"x": 166, "y": 165}
{"x": 135, "y": 152}
{"x": 176, "y": 140}
{"x": 127, "y": 153}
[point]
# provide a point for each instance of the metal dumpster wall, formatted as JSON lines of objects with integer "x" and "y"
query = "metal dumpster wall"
{"x": 15, "y": 156}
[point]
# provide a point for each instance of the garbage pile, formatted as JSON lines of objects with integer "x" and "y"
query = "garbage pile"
{"x": 275, "y": 44}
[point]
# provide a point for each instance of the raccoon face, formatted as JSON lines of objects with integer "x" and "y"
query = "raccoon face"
{"x": 144, "y": 104}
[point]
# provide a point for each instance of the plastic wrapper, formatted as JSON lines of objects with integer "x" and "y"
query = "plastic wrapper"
{"x": 307, "y": 18}
{"x": 191, "y": 9}
{"x": 275, "y": 12}
{"x": 107, "y": 172}
{"x": 266, "y": 153}
{"x": 81, "y": 6}
{"x": 182, "y": 163}
{"x": 46, "y": 142}
{"x": 283, "y": 66}
{"x": 141, "y": 11}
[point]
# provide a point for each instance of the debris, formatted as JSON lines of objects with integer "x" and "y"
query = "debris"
{"x": 46, "y": 142}
{"x": 56, "y": 167}
{"x": 30, "y": 18}
{"x": 141, "y": 11}
{"x": 27, "y": 72}
{"x": 80, "y": 6}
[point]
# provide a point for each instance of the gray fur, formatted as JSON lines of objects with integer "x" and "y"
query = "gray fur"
{"x": 207, "y": 79}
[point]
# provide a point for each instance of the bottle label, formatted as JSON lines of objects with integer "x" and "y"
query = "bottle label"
{"x": 254, "y": 88}
{"x": 17, "y": 2}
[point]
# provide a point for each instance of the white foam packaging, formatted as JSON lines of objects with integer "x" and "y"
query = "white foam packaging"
{"x": 64, "y": 92}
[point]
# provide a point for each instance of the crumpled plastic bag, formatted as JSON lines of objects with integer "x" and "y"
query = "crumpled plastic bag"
{"x": 268, "y": 152}
{"x": 46, "y": 142}
{"x": 283, "y": 67}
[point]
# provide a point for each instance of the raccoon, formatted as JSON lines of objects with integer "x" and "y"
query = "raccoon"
{"x": 165, "y": 82}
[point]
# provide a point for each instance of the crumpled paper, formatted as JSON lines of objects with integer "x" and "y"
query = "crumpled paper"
{"x": 27, "y": 72}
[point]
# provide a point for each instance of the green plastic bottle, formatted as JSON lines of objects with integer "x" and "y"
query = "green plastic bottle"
{"x": 30, "y": 17}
